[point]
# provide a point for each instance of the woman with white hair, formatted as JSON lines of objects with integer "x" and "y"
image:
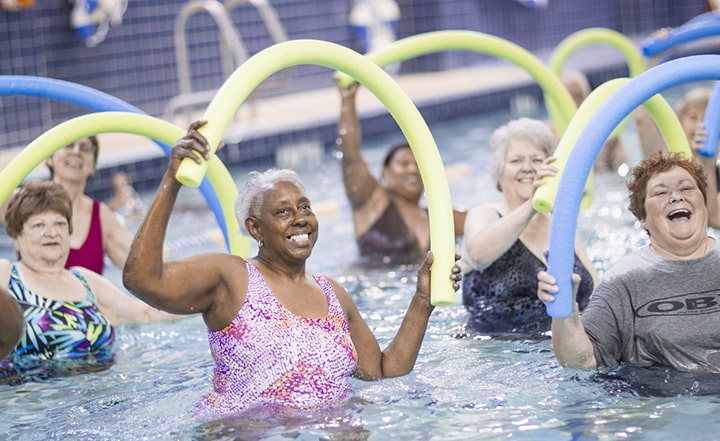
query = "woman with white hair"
{"x": 282, "y": 340}
{"x": 505, "y": 241}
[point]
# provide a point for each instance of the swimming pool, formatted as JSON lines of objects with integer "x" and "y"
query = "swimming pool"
{"x": 465, "y": 385}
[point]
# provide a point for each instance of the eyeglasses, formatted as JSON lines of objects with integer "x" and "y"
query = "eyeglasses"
{"x": 84, "y": 146}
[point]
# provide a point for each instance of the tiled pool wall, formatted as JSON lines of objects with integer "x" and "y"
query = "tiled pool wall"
{"x": 136, "y": 62}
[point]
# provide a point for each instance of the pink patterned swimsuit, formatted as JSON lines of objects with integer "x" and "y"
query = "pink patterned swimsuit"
{"x": 270, "y": 358}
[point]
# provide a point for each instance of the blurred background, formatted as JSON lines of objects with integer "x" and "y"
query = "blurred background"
{"x": 168, "y": 56}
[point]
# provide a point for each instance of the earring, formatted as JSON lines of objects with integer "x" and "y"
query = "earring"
{"x": 261, "y": 243}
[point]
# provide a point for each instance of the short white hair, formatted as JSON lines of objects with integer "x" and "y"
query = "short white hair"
{"x": 249, "y": 201}
{"x": 532, "y": 130}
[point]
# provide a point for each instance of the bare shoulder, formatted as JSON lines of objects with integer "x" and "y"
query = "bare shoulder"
{"x": 488, "y": 212}
{"x": 235, "y": 263}
{"x": 342, "y": 295}
{"x": 226, "y": 264}
{"x": 92, "y": 277}
{"x": 109, "y": 218}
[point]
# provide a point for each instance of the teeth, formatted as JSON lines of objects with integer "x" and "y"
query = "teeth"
{"x": 300, "y": 238}
{"x": 74, "y": 164}
{"x": 679, "y": 213}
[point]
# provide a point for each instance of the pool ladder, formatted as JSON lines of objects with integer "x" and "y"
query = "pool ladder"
{"x": 232, "y": 52}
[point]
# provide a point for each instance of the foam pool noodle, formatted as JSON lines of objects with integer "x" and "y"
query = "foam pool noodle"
{"x": 580, "y": 161}
{"x": 294, "y": 52}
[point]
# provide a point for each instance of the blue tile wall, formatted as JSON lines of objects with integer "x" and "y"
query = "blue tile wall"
{"x": 136, "y": 62}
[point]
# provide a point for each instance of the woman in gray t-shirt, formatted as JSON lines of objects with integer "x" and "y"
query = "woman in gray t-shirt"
{"x": 660, "y": 305}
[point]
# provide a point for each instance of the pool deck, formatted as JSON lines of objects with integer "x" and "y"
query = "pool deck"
{"x": 266, "y": 116}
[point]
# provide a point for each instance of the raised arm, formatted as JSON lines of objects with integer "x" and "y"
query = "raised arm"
{"x": 360, "y": 184}
{"x": 488, "y": 236}
{"x": 12, "y": 323}
{"x": 649, "y": 135}
{"x": 710, "y": 166}
{"x": 191, "y": 285}
{"x": 571, "y": 344}
{"x": 399, "y": 357}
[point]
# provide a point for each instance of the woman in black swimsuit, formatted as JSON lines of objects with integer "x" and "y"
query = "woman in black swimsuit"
{"x": 505, "y": 240}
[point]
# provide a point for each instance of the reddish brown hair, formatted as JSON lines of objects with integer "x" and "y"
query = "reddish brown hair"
{"x": 34, "y": 198}
{"x": 660, "y": 162}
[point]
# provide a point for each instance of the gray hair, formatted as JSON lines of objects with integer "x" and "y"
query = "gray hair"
{"x": 249, "y": 201}
{"x": 532, "y": 130}
{"x": 695, "y": 97}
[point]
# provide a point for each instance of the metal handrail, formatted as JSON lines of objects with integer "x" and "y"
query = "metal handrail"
{"x": 275, "y": 29}
{"x": 232, "y": 50}
{"x": 233, "y": 46}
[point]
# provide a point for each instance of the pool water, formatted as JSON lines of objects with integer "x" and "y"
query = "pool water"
{"x": 464, "y": 386}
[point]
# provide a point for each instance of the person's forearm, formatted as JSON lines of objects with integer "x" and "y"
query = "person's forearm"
{"x": 145, "y": 260}
{"x": 358, "y": 181}
{"x": 349, "y": 131}
{"x": 572, "y": 347}
{"x": 486, "y": 246}
{"x": 400, "y": 355}
{"x": 713, "y": 205}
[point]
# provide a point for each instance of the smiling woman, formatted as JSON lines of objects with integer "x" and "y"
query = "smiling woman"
{"x": 96, "y": 229}
{"x": 282, "y": 340}
{"x": 70, "y": 315}
{"x": 658, "y": 305}
{"x": 505, "y": 240}
{"x": 391, "y": 227}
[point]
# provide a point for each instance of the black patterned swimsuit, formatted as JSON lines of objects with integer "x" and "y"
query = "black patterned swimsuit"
{"x": 503, "y": 297}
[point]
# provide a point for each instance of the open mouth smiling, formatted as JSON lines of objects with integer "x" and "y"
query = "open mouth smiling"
{"x": 679, "y": 215}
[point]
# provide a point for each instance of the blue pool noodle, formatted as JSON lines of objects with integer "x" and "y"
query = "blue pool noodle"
{"x": 98, "y": 101}
{"x": 711, "y": 122}
{"x": 635, "y": 92}
{"x": 690, "y": 31}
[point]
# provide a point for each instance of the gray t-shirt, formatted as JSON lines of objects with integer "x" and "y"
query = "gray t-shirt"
{"x": 649, "y": 310}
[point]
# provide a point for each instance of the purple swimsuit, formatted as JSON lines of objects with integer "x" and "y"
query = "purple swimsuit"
{"x": 269, "y": 357}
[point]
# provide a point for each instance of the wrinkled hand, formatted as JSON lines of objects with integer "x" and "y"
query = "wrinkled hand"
{"x": 662, "y": 33}
{"x": 545, "y": 170}
{"x": 193, "y": 145}
{"x": 348, "y": 92}
{"x": 547, "y": 286}
{"x": 424, "y": 275}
